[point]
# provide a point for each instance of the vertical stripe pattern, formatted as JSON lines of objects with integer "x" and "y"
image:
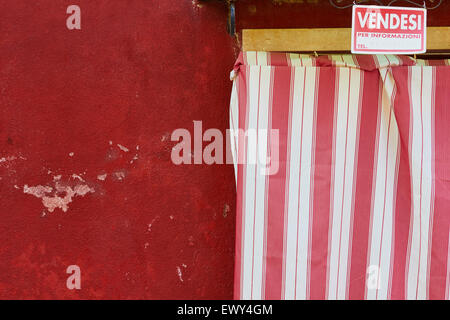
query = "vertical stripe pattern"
{"x": 354, "y": 204}
{"x": 299, "y": 184}
{"x": 385, "y": 173}
{"x": 421, "y": 178}
{"x": 346, "y": 122}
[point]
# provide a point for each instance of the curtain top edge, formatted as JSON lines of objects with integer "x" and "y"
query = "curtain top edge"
{"x": 365, "y": 62}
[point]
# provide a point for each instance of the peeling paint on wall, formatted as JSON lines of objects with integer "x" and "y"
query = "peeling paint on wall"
{"x": 120, "y": 175}
{"x": 51, "y": 198}
{"x": 10, "y": 159}
{"x": 102, "y": 177}
{"x": 76, "y": 176}
{"x": 150, "y": 225}
{"x": 123, "y": 148}
{"x": 4, "y": 159}
{"x": 180, "y": 274}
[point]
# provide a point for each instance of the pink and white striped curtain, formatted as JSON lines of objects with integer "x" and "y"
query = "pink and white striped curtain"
{"x": 343, "y": 176}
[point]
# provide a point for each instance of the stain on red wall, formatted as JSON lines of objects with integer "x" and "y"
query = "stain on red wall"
{"x": 85, "y": 123}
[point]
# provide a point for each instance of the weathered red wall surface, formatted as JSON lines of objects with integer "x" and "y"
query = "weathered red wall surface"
{"x": 136, "y": 71}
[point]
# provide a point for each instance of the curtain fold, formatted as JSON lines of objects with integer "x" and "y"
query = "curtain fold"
{"x": 342, "y": 168}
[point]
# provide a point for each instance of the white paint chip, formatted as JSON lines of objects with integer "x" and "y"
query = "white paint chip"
{"x": 75, "y": 176}
{"x": 180, "y": 274}
{"x": 120, "y": 175}
{"x": 102, "y": 177}
{"x": 151, "y": 223}
{"x": 123, "y": 148}
{"x": 134, "y": 158}
{"x": 71, "y": 154}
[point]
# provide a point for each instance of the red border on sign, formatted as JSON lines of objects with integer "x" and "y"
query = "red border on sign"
{"x": 362, "y": 51}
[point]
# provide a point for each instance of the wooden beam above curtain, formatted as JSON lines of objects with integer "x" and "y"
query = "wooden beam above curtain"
{"x": 323, "y": 39}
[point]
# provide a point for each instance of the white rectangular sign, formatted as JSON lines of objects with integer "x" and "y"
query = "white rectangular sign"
{"x": 388, "y": 30}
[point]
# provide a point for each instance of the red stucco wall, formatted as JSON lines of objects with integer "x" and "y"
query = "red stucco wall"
{"x": 73, "y": 101}
{"x": 135, "y": 71}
